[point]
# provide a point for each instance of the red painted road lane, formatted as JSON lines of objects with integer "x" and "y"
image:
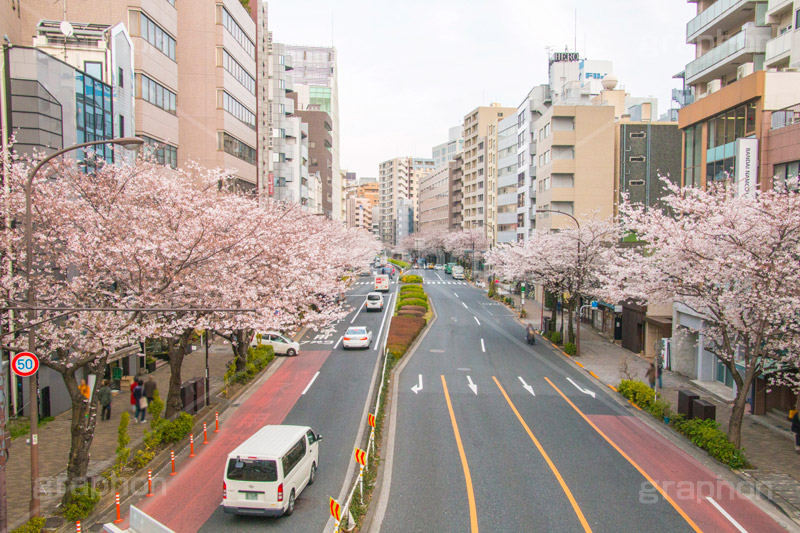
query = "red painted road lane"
{"x": 190, "y": 497}
{"x": 686, "y": 481}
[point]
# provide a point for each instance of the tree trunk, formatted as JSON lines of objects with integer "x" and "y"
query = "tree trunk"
{"x": 240, "y": 341}
{"x": 84, "y": 419}
{"x": 177, "y": 351}
{"x": 570, "y": 314}
{"x": 739, "y": 404}
{"x": 553, "y": 314}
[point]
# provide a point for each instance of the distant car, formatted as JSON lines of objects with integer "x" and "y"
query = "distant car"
{"x": 364, "y": 274}
{"x": 439, "y": 267}
{"x": 374, "y": 301}
{"x": 431, "y": 266}
{"x": 448, "y": 268}
{"x": 357, "y": 337}
{"x": 458, "y": 272}
{"x": 279, "y": 343}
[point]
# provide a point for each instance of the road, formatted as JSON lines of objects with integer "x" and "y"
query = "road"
{"x": 323, "y": 387}
{"x": 508, "y": 437}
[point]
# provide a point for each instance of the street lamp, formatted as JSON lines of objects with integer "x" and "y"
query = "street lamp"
{"x": 578, "y": 327}
{"x": 129, "y": 143}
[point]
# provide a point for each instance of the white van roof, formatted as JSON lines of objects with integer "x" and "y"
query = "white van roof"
{"x": 270, "y": 441}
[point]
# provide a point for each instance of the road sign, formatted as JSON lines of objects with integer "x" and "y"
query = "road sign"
{"x": 594, "y": 304}
{"x": 361, "y": 457}
{"x": 336, "y": 510}
{"x": 25, "y": 364}
{"x": 371, "y": 419}
{"x": 522, "y": 287}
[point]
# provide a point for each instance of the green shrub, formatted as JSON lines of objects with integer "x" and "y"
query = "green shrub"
{"x": 258, "y": 358}
{"x": 411, "y": 278}
{"x": 409, "y": 312}
{"x": 123, "y": 452}
{"x": 413, "y": 308}
{"x": 397, "y": 262}
{"x": 402, "y": 332}
{"x": 405, "y": 288}
{"x": 82, "y": 502}
{"x": 492, "y": 291}
{"x": 155, "y": 408}
{"x": 706, "y": 434}
{"x": 555, "y": 337}
{"x": 175, "y": 430}
{"x": 34, "y": 525}
{"x": 660, "y": 409}
{"x": 413, "y": 290}
{"x": 413, "y": 294}
{"x": 639, "y": 393}
{"x": 141, "y": 458}
{"x": 413, "y": 301}
{"x": 570, "y": 348}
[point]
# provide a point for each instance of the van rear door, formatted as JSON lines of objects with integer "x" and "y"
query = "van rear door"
{"x": 252, "y": 482}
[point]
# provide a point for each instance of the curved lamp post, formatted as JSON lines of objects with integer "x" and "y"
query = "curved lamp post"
{"x": 129, "y": 143}
{"x": 578, "y": 326}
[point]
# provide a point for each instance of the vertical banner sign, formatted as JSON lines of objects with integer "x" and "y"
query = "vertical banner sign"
{"x": 271, "y": 183}
{"x": 336, "y": 510}
{"x": 371, "y": 419}
{"x": 361, "y": 457}
{"x": 746, "y": 172}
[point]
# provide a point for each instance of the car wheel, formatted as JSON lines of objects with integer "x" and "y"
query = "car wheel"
{"x": 313, "y": 475}
{"x": 291, "y": 352}
{"x": 290, "y": 507}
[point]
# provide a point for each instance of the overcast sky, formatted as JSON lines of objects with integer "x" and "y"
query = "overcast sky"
{"x": 410, "y": 69}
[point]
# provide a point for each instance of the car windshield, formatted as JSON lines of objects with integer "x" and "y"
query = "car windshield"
{"x": 252, "y": 470}
{"x": 374, "y": 297}
{"x": 356, "y": 331}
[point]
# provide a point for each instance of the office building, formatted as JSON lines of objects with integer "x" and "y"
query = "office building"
{"x": 456, "y": 183}
{"x": 442, "y": 153}
{"x": 320, "y": 157}
{"x": 404, "y": 219}
{"x": 434, "y": 201}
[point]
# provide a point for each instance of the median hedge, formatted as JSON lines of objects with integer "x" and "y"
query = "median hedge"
{"x": 397, "y": 262}
{"x": 402, "y": 332}
{"x": 412, "y": 301}
{"x": 411, "y": 278}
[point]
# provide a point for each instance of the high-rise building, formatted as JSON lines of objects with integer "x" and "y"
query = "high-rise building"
{"x": 398, "y": 179}
{"x": 507, "y": 182}
{"x": 476, "y": 129}
{"x": 320, "y": 157}
{"x": 456, "y": 214}
{"x": 315, "y": 78}
{"x": 442, "y": 153}
{"x": 434, "y": 201}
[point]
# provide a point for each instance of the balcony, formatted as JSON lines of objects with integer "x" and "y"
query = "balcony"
{"x": 779, "y": 49}
{"x": 777, "y": 8}
{"x": 288, "y": 62}
{"x": 724, "y": 59}
{"x": 507, "y": 236}
{"x": 507, "y": 218}
{"x": 722, "y": 15}
{"x": 507, "y": 180}
{"x": 507, "y": 199}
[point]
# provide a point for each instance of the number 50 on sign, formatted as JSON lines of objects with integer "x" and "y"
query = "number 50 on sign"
{"x": 25, "y": 364}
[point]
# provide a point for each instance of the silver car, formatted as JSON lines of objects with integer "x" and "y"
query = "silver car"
{"x": 357, "y": 337}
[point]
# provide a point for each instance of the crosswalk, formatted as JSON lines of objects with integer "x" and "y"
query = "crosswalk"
{"x": 426, "y": 282}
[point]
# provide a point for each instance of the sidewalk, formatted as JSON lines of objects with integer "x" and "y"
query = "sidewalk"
{"x": 54, "y": 438}
{"x": 767, "y": 443}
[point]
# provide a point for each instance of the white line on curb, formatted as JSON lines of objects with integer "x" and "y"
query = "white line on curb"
{"x": 726, "y": 515}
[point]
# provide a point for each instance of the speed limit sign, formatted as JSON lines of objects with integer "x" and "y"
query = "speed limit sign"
{"x": 25, "y": 364}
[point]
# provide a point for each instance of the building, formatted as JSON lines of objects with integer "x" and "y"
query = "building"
{"x": 533, "y": 106}
{"x": 456, "y": 179}
{"x": 217, "y": 108}
{"x": 476, "y": 129}
{"x": 507, "y": 196}
{"x": 320, "y": 156}
{"x": 442, "y": 153}
{"x": 398, "y": 179}
{"x": 741, "y": 125}
{"x": 315, "y": 79}
{"x": 434, "y": 201}
{"x": 265, "y": 94}
{"x": 368, "y": 188}
{"x": 359, "y": 213}
{"x": 404, "y": 219}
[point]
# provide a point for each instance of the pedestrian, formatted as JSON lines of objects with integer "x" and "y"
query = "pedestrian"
{"x": 530, "y": 334}
{"x": 796, "y": 431}
{"x": 141, "y": 402}
{"x": 83, "y": 388}
{"x": 104, "y": 397}
{"x": 660, "y": 371}
{"x": 150, "y": 389}
{"x": 651, "y": 376}
{"x": 133, "y": 398}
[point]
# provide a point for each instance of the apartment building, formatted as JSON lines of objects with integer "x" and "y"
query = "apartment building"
{"x": 398, "y": 179}
{"x": 507, "y": 182}
{"x": 475, "y": 132}
{"x": 442, "y": 153}
{"x": 320, "y": 156}
{"x": 434, "y": 201}
{"x": 456, "y": 212}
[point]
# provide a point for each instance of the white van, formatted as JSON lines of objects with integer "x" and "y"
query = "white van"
{"x": 458, "y": 272}
{"x": 382, "y": 283}
{"x": 266, "y": 473}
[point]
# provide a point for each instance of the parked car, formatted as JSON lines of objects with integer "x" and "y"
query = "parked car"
{"x": 374, "y": 301}
{"x": 266, "y": 473}
{"x": 279, "y": 343}
{"x": 357, "y": 337}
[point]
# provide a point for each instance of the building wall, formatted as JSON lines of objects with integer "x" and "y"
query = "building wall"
{"x": 320, "y": 156}
{"x": 434, "y": 201}
{"x": 507, "y": 181}
{"x": 456, "y": 180}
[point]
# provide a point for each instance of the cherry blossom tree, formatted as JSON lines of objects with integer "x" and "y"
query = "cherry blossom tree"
{"x": 733, "y": 261}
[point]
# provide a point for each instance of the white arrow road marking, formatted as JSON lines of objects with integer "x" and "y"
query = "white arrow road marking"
{"x": 526, "y": 386}
{"x": 585, "y": 391}
{"x": 465, "y": 305}
{"x": 476, "y": 320}
{"x": 310, "y": 383}
{"x": 726, "y": 515}
{"x": 472, "y": 385}
{"x": 417, "y": 388}
{"x": 483, "y": 346}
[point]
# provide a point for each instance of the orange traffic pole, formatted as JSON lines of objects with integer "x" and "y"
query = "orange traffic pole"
{"x": 216, "y": 421}
{"x": 78, "y": 526}
{"x": 119, "y": 515}
{"x": 149, "y": 483}
{"x": 205, "y": 434}
{"x": 191, "y": 445}
{"x": 172, "y": 458}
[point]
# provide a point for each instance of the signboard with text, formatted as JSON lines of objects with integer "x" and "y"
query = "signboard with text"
{"x": 271, "y": 183}
{"x": 746, "y": 171}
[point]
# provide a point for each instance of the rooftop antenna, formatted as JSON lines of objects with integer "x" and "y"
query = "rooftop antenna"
{"x": 575, "y": 33}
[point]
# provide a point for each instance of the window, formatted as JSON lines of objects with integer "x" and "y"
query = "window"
{"x": 797, "y": 19}
{"x": 547, "y": 130}
{"x": 238, "y": 33}
{"x": 252, "y": 470}
{"x": 121, "y": 126}
{"x": 93, "y": 69}
{"x": 121, "y": 77}
{"x": 236, "y": 148}
{"x": 155, "y": 35}
{"x": 238, "y": 110}
{"x": 165, "y": 154}
{"x": 157, "y": 94}
{"x": 787, "y": 175}
{"x": 238, "y": 72}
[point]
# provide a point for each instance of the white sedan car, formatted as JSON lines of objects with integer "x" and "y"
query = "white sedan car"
{"x": 357, "y": 337}
{"x": 279, "y": 343}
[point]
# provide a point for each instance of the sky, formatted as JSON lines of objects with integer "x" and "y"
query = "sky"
{"x": 411, "y": 69}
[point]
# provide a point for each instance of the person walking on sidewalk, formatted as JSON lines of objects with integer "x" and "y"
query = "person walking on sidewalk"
{"x": 651, "y": 376}
{"x": 150, "y": 389}
{"x": 83, "y": 388}
{"x": 141, "y": 402}
{"x": 104, "y": 397}
{"x": 796, "y": 431}
{"x": 133, "y": 398}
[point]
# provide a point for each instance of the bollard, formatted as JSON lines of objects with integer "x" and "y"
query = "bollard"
{"x": 149, "y": 483}
{"x": 191, "y": 445}
{"x": 205, "y": 434}
{"x": 78, "y": 526}
{"x": 119, "y": 515}
{"x": 172, "y": 458}
{"x": 216, "y": 421}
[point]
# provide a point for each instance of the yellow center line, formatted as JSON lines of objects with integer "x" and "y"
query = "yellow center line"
{"x": 631, "y": 461}
{"x": 560, "y": 479}
{"x": 473, "y": 513}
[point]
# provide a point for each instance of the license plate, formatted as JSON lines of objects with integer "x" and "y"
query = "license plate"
{"x": 251, "y": 496}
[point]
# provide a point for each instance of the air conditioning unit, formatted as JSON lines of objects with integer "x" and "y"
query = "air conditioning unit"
{"x": 714, "y": 86}
{"x": 789, "y": 69}
{"x": 744, "y": 70}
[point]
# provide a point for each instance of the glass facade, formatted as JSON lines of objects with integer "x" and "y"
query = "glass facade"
{"x": 320, "y": 96}
{"x": 787, "y": 175}
{"x": 155, "y": 35}
{"x": 94, "y": 114}
{"x": 236, "y": 148}
{"x": 156, "y": 94}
